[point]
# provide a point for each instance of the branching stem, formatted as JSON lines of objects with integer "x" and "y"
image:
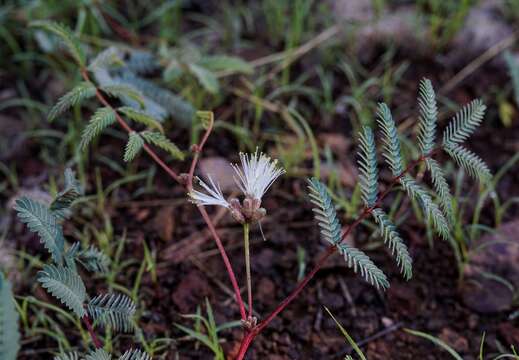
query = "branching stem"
{"x": 249, "y": 337}
{"x": 197, "y": 149}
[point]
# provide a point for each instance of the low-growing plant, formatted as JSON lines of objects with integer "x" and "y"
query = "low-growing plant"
{"x": 254, "y": 176}
{"x": 62, "y": 277}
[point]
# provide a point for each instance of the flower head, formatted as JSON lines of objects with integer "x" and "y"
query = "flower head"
{"x": 213, "y": 196}
{"x": 257, "y": 173}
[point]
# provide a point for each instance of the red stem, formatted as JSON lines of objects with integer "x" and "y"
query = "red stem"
{"x": 97, "y": 343}
{"x": 247, "y": 340}
{"x": 226, "y": 261}
{"x": 189, "y": 186}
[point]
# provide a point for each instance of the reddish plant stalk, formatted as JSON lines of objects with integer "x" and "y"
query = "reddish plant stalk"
{"x": 95, "y": 340}
{"x": 249, "y": 336}
{"x": 197, "y": 148}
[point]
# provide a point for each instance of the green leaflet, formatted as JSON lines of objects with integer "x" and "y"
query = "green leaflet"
{"x": 135, "y": 355}
{"x": 360, "y": 262}
{"x": 368, "y": 173}
{"x": 77, "y": 95}
{"x": 469, "y": 161}
{"x": 464, "y": 123}
{"x": 9, "y": 334}
{"x": 102, "y": 118}
{"x": 441, "y": 187}
{"x": 428, "y": 116}
{"x": 66, "y": 36}
{"x": 94, "y": 260}
{"x": 133, "y": 146}
{"x": 66, "y": 285}
{"x": 140, "y": 117}
{"x": 394, "y": 242}
{"x": 161, "y": 141}
{"x": 40, "y": 219}
{"x": 122, "y": 91}
{"x": 106, "y": 58}
{"x": 114, "y": 310}
{"x": 331, "y": 232}
{"x": 431, "y": 210}
{"x": 392, "y": 151}
{"x": 68, "y": 195}
{"x": 324, "y": 213}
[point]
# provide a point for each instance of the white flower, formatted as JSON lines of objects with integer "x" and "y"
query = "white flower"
{"x": 213, "y": 196}
{"x": 257, "y": 173}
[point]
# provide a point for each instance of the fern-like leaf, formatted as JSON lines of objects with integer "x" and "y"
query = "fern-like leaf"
{"x": 66, "y": 285}
{"x": 115, "y": 310}
{"x": 140, "y": 117}
{"x": 122, "y": 91}
{"x": 67, "y": 356}
{"x": 368, "y": 167}
{"x": 135, "y": 355}
{"x": 394, "y": 242}
{"x": 98, "y": 354}
{"x": 324, "y": 212}
{"x": 106, "y": 58}
{"x": 41, "y": 220}
{"x": 133, "y": 146}
{"x": 441, "y": 187}
{"x": 471, "y": 162}
{"x": 161, "y": 102}
{"x": 360, "y": 262}
{"x": 94, "y": 260}
{"x": 77, "y": 95}
{"x": 66, "y": 36}
{"x": 428, "y": 116}
{"x": 141, "y": 62}
{"x": 102, "y": 118}
{"x": 392, "y": 151}
{"x": 9, "y": 334}
{"x": 68, "y": 195}
{"x": 430, "y": 209}
{"x": 464, "y": 123}
{"x": 161, "y": 141}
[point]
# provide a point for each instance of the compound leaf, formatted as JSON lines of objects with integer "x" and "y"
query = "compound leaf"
{"x": 66, "y": 285}
{"x": 392, "y": 151}
{"x": 394, "y": 242}
{"x": 324, "y": 212}
{"x": 40, "y": 219}
{"x": 133, "y": 146}
{"x": 140, "y": 117}
{"x": 66, "y": 36}
{"x": 360, "y": 262}
{"x": 464, "y": 123}
{"x": 102, "y": 118}
{"x": 428, "y": 116}
{"x": 135, "y": 355}
{"x": 368, "y": 167}
{"x": 115, "y": 310}
{"x": 77, "y": 95}
{"x": 161, "y": 141}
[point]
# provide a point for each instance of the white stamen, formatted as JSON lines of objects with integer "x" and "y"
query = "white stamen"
{"x": 257, "y": 173}
{"x": 213, "y": 196}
